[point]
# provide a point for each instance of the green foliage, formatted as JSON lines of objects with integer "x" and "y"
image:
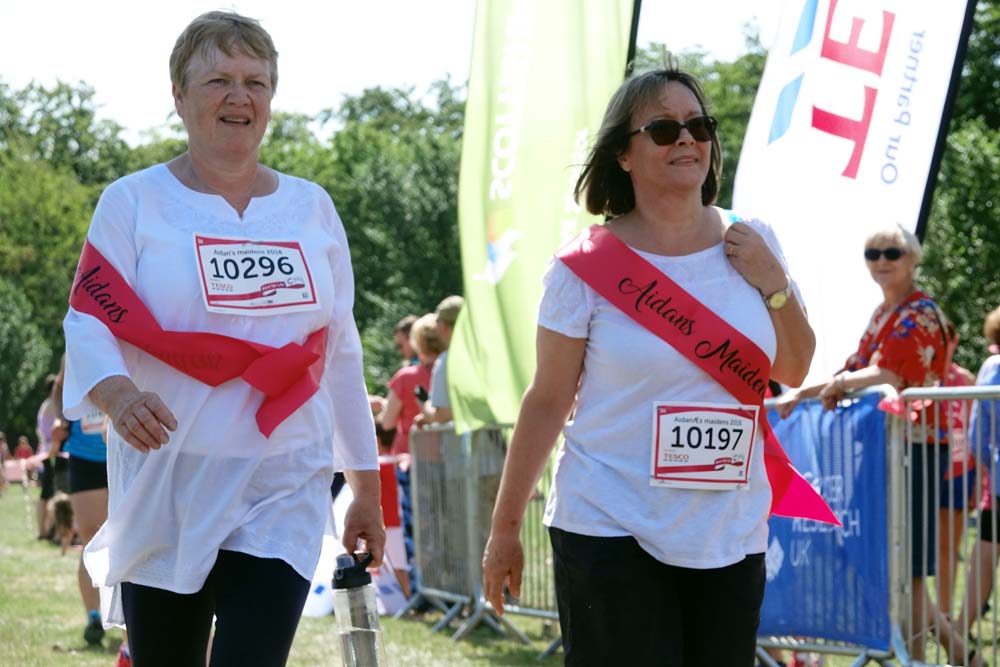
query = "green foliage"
{"x": 980, "y": 89}
{"x": 58, "y": 125}
{"x": 44, "y": 213}
{"x": 394, "y": 179}
{"x": 962, "y": 256}
{"x": 24, "y": 356}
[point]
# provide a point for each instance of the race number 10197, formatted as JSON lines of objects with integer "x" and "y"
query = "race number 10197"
{"x": 712, "y": 437}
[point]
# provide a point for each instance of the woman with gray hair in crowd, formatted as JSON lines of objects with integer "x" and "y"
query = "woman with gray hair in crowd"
{"x": 904, "y": 345}
{"x": 211, "y": 320}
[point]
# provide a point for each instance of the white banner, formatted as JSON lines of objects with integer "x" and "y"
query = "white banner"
{"x": 840, "y": 144}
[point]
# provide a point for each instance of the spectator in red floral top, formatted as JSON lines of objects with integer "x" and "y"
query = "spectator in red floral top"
{"x": 904, "y": 345}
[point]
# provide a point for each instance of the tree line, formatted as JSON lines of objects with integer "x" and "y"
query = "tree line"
{"x": 391, "y": 166}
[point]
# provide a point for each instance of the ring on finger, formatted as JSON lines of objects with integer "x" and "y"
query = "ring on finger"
{"x": 730, "y": 249}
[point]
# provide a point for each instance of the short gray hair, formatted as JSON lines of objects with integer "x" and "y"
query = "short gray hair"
{"x": 228, "y": 32}
{"x": 904, "y": 238}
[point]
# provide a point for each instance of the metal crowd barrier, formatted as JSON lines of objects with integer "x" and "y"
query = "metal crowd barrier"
{"x": 830, "y": 590}
{"x": 958, "y": 614}
{"x": 940, "y": 602}
{"x": 454, "y": 482}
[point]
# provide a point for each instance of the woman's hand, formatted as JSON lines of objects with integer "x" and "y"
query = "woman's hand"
{"x": 363, "y": 526}
{"x": 141, "y": 418}
{"x": 503, "y": 562}
{"x": 750, "y": 255}
{"x": 831, "y": 394}
{"x": 787, "y": 402}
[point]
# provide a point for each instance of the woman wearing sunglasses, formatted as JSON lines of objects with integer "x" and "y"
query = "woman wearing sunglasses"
{"x": 904, "y": 345}
{"x": 658, "y": 511}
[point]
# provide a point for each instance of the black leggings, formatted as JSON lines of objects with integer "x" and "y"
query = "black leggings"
{"x": 257, "y": 603}
{"x": 620, "y": 606}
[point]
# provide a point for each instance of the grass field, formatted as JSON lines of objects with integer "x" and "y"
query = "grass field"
{"x": 41, "y": 617}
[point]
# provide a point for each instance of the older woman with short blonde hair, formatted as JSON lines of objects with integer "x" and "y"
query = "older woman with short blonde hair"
{"x": 904, "y": 345}
{"x": 211, "y": 320}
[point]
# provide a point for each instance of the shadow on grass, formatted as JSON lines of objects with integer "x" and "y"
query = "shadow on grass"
{"x": 485, "y": 645}
{"x": 109, "y": 646}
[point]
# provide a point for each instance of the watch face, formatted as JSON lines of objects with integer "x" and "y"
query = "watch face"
{"x": 777, "y": 300}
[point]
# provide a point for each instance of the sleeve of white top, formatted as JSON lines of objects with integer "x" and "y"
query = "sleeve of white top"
{"x": 767, "y": 232}
{"x": 567, "y": 302}
{"x": 92, "y": 352}
{"x": 354, "y": 445}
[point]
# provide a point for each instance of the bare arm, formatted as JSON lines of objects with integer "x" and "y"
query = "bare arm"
{"x": 364, "y": 516}
{"x": 57, "y": 389}
{"x": 390, "y": 413}
{"x": 435, "y": 415}
{"x": 544, "y": 410}
{"x": 834, "y": 389}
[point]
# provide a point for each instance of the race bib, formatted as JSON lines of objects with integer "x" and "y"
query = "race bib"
{"x": 702, "y": 445}
{"x": 92, "y": 423}
{"x": 254, "y": 277}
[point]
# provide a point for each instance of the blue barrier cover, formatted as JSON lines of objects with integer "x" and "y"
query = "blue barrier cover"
{"x": 822, "y": 581}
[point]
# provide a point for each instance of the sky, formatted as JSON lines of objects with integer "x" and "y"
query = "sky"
{"x": 326, "y": 49}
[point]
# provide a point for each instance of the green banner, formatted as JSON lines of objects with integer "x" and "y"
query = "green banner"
{"x": 542, "y": 73}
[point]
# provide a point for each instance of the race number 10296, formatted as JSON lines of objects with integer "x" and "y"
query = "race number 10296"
{"x": 254, "y": 277}
{"x": 250, "y": 267}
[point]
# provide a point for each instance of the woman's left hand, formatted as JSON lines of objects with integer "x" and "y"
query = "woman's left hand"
{"x": 750, "y": 255}
{"x": 363, "y": 522}
{"x": 831, "y": 395}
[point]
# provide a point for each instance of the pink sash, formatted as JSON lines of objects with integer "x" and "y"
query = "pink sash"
{"x": 619, "y": 274}
{"x": 288, "y": 376}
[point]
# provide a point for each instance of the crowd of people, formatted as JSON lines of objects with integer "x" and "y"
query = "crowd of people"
{"x": 198, "y": 425}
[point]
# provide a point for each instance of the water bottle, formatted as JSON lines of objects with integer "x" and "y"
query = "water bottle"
{"x": 357, "y": 613}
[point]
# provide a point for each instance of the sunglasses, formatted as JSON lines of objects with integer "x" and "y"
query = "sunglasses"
{"x": 891, "y": 254}
{"x": 664, "y": 132}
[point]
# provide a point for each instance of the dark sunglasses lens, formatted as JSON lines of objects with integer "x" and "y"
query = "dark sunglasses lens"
{"x": 664, "y": 132}
{"x": 891, "y": 254}
{"x": 701, "y": 128}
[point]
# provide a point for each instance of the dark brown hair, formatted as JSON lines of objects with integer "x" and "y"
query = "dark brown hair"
{"x": 606, "y": 186}
{"x": 404, "y": 325}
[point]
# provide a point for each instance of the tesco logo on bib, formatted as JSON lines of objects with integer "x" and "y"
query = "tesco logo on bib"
{"x": 850, "y": 119}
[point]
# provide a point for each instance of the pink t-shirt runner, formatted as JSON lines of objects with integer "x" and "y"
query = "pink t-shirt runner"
{"x": 403, "y": 384}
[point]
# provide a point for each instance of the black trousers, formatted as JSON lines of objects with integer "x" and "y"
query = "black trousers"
{"x": 620, "y": 606}
{"x": 257, "y": 602}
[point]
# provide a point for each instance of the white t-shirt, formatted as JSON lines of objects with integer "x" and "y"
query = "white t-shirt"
{"x": 219, "y": 483}
{"x": 439, "y": 382}
{"x": 602, "y": 470}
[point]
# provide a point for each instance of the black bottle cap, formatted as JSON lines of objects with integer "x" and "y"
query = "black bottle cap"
{"x": 352, "y": 570}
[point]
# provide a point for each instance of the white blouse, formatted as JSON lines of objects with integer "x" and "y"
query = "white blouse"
{"x": 219, "y": 483}
{"x": 602, "y": 469}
